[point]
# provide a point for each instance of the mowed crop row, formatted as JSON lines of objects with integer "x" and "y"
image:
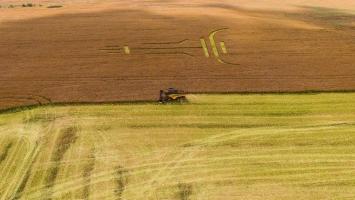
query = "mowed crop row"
{"x": 214, "y": 147}
{"x": 129, "y": 52}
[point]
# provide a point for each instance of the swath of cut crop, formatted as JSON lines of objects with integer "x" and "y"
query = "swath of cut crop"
{"x": 185, "y": 191}
{"x": 88, "y": 168}
{"x": 6, "y": 152}
{"x": 67, "y": 137}
{"x": 18, "y": 193}
{"x": 33, "y": 118}
{"x": 121, "y": 181}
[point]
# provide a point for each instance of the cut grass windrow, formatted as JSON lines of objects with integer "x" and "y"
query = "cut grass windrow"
{"x": 87, "y": 171}
{"x": 67, "y": 137}
{"x": 121, "y": 180}
{"x": 185, "y": 191}
{"x": 5, "y": 152}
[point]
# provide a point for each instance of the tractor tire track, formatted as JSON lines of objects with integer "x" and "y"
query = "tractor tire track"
{"x": 27, "y": 173}
{"x": 13, "y": 156}
{"x": 109, "y": 177}
{"x": 228, "y": 135}
{"x": 32, "y": 158}
{"x": 13, "y": 183}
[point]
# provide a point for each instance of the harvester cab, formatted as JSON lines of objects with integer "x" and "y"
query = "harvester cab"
{"x": 172, "y": 95}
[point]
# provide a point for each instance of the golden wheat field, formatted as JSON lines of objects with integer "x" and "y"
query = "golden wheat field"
{"x": 105, "y": 51}
{"x": 267, "y": 147}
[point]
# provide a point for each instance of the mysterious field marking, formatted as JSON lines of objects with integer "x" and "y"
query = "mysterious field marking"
{"x": 213, "y": 42}
{"x": 214, "y": 47}
{"x": 211, "y": 45}
{"x": 126, "y": 50}
{"x": 223, "y": 47}
{"x": 204, "y": 46}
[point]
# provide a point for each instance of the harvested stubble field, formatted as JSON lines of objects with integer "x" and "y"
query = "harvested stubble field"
{"x": 215, "y": 147}
{"x": 97, "y": 51}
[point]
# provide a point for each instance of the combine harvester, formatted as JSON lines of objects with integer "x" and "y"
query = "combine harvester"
{"x": 172, "y": 95}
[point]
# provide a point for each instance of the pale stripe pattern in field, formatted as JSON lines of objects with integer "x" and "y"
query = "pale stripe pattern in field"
{"x": 290, "y": 146}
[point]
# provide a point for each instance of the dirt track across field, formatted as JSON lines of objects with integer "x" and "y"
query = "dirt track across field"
{"x": 129, "y": 51}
